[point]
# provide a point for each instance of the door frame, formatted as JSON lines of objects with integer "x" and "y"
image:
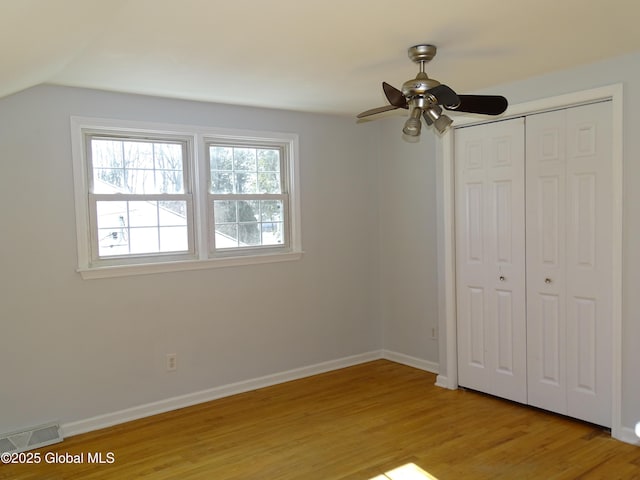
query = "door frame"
{"x": 448, "y": 360}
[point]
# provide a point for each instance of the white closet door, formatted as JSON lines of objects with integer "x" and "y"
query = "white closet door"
{"x": 569, "y": 253}
{"x": 490, "y": 258}
{"x": 546, "y": 335}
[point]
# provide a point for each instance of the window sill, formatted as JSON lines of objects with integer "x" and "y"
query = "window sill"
{"x": 180, "y": 266}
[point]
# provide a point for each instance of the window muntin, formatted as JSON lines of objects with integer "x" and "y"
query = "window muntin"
{"x": 248, "y": 197}
{"x": 139, "y": 198}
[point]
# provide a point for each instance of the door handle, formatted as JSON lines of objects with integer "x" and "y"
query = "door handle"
{"x": 502, "y": 278}
{"x": 547, "y": 281}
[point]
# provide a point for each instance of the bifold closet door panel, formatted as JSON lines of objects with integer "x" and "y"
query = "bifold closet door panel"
{"x": 589, "y": 263}
{"x": 490, "y": 258}
{"x": 569, "y": 255}
{"x": 546, "y": 221}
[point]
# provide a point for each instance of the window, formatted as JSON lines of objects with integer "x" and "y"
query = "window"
{"x": 150, "y": 199}
{"x": 140, "y": 201}
{"x": 248, "y": 196}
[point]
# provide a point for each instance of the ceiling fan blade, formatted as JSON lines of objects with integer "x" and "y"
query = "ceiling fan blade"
{"x": 483, "y": 104}
{"x": 374, "y": 111}
{"x": 394, "y": 96}
{"x": 444, "y": 95}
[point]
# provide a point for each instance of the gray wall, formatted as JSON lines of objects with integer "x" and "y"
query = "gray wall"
{"x": 408, "y": 241}
{"x": 71, "y": 349}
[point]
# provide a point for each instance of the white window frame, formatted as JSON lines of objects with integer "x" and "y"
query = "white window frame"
{"x": 283, "y": 147}
{"x": 94, "y": 198}
{"x": 203, "y": 256}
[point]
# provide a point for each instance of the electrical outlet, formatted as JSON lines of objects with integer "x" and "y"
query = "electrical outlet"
{"x": 172, "y": 364}
{"x": 434, "y": 333}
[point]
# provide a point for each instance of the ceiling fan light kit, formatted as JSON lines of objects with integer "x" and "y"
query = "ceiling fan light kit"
{"x": 425, "y": 97}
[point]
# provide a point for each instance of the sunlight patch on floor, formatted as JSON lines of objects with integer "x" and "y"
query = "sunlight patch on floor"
{"x": 409, "y": 471}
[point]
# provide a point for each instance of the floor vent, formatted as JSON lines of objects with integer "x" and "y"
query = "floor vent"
{"x": 35, "y": 437}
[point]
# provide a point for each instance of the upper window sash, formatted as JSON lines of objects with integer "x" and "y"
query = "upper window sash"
{"x": 135, "y": 155}
{"x": 272, "y": 159}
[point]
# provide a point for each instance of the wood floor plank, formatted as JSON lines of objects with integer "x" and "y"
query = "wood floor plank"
{"x": 354, "y": 423}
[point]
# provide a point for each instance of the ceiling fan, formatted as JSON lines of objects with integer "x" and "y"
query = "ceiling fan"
{"x": 425, "y": 97}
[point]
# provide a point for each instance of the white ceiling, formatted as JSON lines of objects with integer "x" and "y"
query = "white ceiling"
{"x": 309, "y": 55}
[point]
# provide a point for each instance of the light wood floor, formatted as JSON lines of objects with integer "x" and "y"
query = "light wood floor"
{"x": 354, "y": 423}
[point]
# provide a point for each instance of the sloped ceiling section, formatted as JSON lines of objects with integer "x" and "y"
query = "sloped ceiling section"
{"x": 320, "y": 56}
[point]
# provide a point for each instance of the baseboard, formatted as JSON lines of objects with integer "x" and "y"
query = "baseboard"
{"x": 162, "y": 406}
{"x": 442, "y": 381}
{"x": 414, "y": 362}
{"x": 627, "y": 435}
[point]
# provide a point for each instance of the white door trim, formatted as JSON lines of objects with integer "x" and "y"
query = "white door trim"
{"x": 448, "y": 376}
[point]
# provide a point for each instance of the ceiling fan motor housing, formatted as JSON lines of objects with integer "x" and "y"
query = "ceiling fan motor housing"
{"x": 416, "y": 89}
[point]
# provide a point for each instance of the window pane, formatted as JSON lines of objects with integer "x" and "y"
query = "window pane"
{"x": 221, "y": 182}
{"x": 144, "y": 240}
{"x": 246, "y": 182}
{"x": 269, "y": 183}
{"x": 268, "y": 160}
{"x": 108, "y": 180}
{"x": 271, "y": 210}
{"x": 139, "y": 181}
{"x": 138, "y": 155}
{"x": 112, "y": 242}
{"x": 244, "y": 159}
{"x": 248, "y": 210}
{"x": 169, "y": 181}
{"x": 112, "y": 214}
{"x": 227, "y": 236}
{"x": 273, "y": 225}
{"x": 143, "y": 214}
{"x": 106, "y": 154}
{"x": 221, "y": 158}
{"x": 174, "y": 239}
{"x": 172, "y": 213}
{"x": 168, "y": 156}
{"x": 225, "y": 211}
{"x": 272, "y": 233}
{"x": 249, "y": 234}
